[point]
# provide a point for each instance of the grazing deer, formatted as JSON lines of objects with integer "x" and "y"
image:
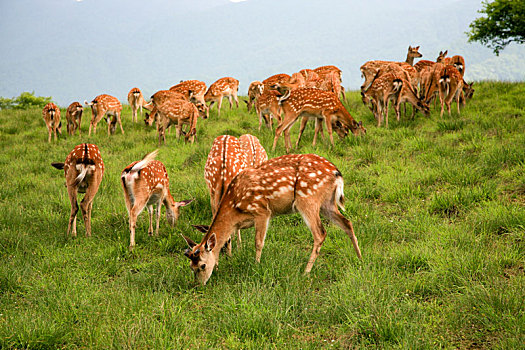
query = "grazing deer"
{"x": 306, "y": 183}
{"x": 253, "y": 150}
{"x": 468, "y": 91}
{"x": 83, "y": 169}
{"x": 105, "y": 105}
{"x": 145, "y": 184}
{"x": 225, "y": 160}
{"x": 254, "y": 91}
{"x": 383, "y": 88}
{"x": 181, "y": 113}
{"x": 313, "y": 103}
{"x": 74, "y": 118}
{"x": 450, "y": 87}
{"x": 224, "y": 87}
{"x": 51, "y": 115}
{"x": 456, "y": 60}
{"x": 312, "y": 79}
{"x": 136, "y": 101}
{"x": 276, "y": 79}
{"x": 194, "y": 90}
{"x": 160, "y": 96}
{"x": 430, "y": 81}
{"x": 267, "y": 107}
{"x": 409, "y": 95}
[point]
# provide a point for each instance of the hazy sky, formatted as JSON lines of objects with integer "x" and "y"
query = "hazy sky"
{"x": 77, "y": 49}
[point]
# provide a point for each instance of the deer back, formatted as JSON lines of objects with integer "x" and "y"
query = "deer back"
{"x": 74, "y": 111}
{"x": 223, "y": 86}
{"x": 84, "y": 158}
{"x": 254, "y": 152}
{"x": 51, "y": 115}
{"x": 276, "y": 79}
{"x": 195, "y": 88}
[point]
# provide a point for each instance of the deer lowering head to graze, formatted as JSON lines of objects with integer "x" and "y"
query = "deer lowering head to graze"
{"x": 313, "y": 103}
{"x": 145, "y": 184}
{"x": 105, "y": 105}
{"x": 83, "y": 169}
{"x": 224, "y": 87}
{"x": 253, "y": 150}
{"x": 304, "y": 183}
{"x": 136, "y": 101}
{"x": 160, "y": 96}
{"x": 267, "y": 107}
{"x": 194, "y": 90}
{"x": 225, "y": 160}
{"x": 74, "y": 117}
{"x": 450, "y": 87}
{"x": 254, "y": 91}
{"x": 468, "y": 91}
{"x": 276, "y": 79}
{"x": 51, "y": 115}
{"x": 178, "y": 112}
{"x": 384, "y": 88}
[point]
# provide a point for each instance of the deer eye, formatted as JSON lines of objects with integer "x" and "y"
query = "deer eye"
{"x": 202, "y": 267}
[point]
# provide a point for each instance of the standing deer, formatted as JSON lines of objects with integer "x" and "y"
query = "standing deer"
{"x": 306, "y": 183}
{"x": 51, "y": 115}
{"x": 384, "y": 88}
{"x": 456, "y": 60}
{"x": 253, "y": 150}
{"x": 254, "y": 91}
{"x": 194, "y": 90}
{"x": 105, "y": 105}
{"x": 450, "y": 87}
{"x": 224, "y": 87}
{"x": 160, "y": 97}
{"x": 74, "y": 118}
{"x": 136, "y": 101}
{"x": 313, "y": 103}
{"x": 267, "y": 107}
{"x": 145, "y": 184}
{"x": 225, "y": 160}
{"x": 83, "y": 169}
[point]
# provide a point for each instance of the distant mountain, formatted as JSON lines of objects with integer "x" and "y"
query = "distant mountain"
{"x": 75, "y": 50}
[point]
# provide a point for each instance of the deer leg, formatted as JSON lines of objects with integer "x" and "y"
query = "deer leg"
{"x": 311, "y": 217}
{"x": 219, "y": 105}
{"x": 261, "y": 226}
{"x": 49, "y": 135}
{"x": 236, "y": 99}
{"x": 239, "y": 240}
{"x": 231, "y": 102}
{"x": 150, "y": 212}
{"x": 328, "y": 122}
{"x": 157, "y": 214}
{"x": 304, "y": 121}
{"x": 72, "y": 226}
{"x": 318, "y": 128}
{"x": 333, "y": 214}
{"x": 137, "y": 208}
{"x": 120, "y": 122}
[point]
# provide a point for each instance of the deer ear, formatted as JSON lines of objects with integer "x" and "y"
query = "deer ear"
{"x": 417, "y": 47}
{"x": 184, "y": 202}
{"x": 210, "y": 243}
{"x": 58, "y": 165}
{"x": 189, "y": 241}
{"x": 202, "y": 228}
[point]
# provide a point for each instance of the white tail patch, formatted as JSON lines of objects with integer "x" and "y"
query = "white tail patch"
{"x": 148, "y": 158}
{"x": 83, "y": 172}
{"x": 339, "y": 192}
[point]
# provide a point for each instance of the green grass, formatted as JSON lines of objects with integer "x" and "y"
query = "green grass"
{"x": 437, "y": 206}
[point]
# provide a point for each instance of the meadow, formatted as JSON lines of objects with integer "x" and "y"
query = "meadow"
{"x": 437, "y": 206}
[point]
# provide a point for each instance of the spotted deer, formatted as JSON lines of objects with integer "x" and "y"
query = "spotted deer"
{"x": 312, "y": 79}
{"x": 383, "y": 88}
{"x": 105, "y": 105}
{"x": 83, "y": 169}
{"x": 225, "y": 160}
{"x": 179, "y": 113}
{"x": 145, "y": 184}
{"x": 456, "y": 60}
{"x": 51, "y": 115}
{"x": 136, "y": 101}
{"x": 254, "y": 91}
{"x": 74, "y": 118}
{"x": 160, "y": 96}
{"x": 450, "y": 88}
{"x": 306, "y": 183}
{"x": 194, "y": 90}
{"x": 253, "y": 150}
{"x": 276, "y": 79}
{"x": 267, "y": 107}
{"x": 224, "y": 87}
{"x": 313, "y": 103}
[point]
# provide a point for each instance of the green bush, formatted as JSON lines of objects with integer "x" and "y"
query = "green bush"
{"x": 26, "y": 100}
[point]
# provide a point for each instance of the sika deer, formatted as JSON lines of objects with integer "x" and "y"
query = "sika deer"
{"x": 254, "y": 91}
{"x": 450, "y": 87}
{"x": 83, "y": 169}
{"x": 225, "y": 160}
{"x": 267, "y": 107}
{"x": 145, "y": 184}
{"x": 224, "y": 87}
{"x": 383, "y": 88}
{"x": 306, "y": 183}
{"x": 136, "y": 101}
{"x": 313, "y": 103}
{"x": 194, "y": 90}
{"x": 160, "y": 96}
{"x": 253, "y": 150}
{"x": 51, "y": 115}
{"x": 74, "y": 118}
{"x": 181, "y": 113}
{"x": 104, "y": 105}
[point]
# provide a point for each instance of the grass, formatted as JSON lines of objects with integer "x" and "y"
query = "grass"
{"x": 437, "y": 205}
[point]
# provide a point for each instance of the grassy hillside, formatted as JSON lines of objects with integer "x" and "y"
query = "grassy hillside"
{"x": 437, "y": 206}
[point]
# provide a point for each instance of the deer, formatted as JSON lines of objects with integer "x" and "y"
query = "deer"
{"x": 160, "y": 97}
{"x": 145, "y": 184}
{"x": 456, "y": 60}
{"x": 276, "y": 79}
{"x": 450, "y": 87}
{"x": 253, "y": 150}
{"x": 74, "y": 118}
{"x": 304, "y": 183}
{"x": 314, "y": 103}
{"x": 83, "y": 169}
{"x": 384, "y": 87}
{"x": 194, "y": 90}
{"x": 254, "y": 91}
{"x": 224, "y": 87}
{"x": 179, "y": 112}
{"x": 136, "y": 101}
{"x": 225, "y": 160}
{"x": 105, "y": 105}
{"x": 267, "y": 107}
{"x": 51, "y": 115}
{"x": 430, "y": 81}
{"x": 312, "y": 79}
{"x": 408, "y": 94}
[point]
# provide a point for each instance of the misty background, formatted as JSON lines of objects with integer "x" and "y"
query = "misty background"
{"x": 74, "y": 50}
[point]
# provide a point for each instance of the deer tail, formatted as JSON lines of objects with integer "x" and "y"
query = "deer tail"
{"x": 148, "y": 158}
{"x": 339, "y": 191}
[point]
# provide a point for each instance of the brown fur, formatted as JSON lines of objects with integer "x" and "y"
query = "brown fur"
{"x": 51, "y": 115}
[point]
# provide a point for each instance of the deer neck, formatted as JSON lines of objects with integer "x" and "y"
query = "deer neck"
{"x": 224, "y": 223}
{"x": 410, "y": 59}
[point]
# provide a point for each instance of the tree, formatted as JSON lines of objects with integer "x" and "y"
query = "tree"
{"x": 505, "y": 23}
